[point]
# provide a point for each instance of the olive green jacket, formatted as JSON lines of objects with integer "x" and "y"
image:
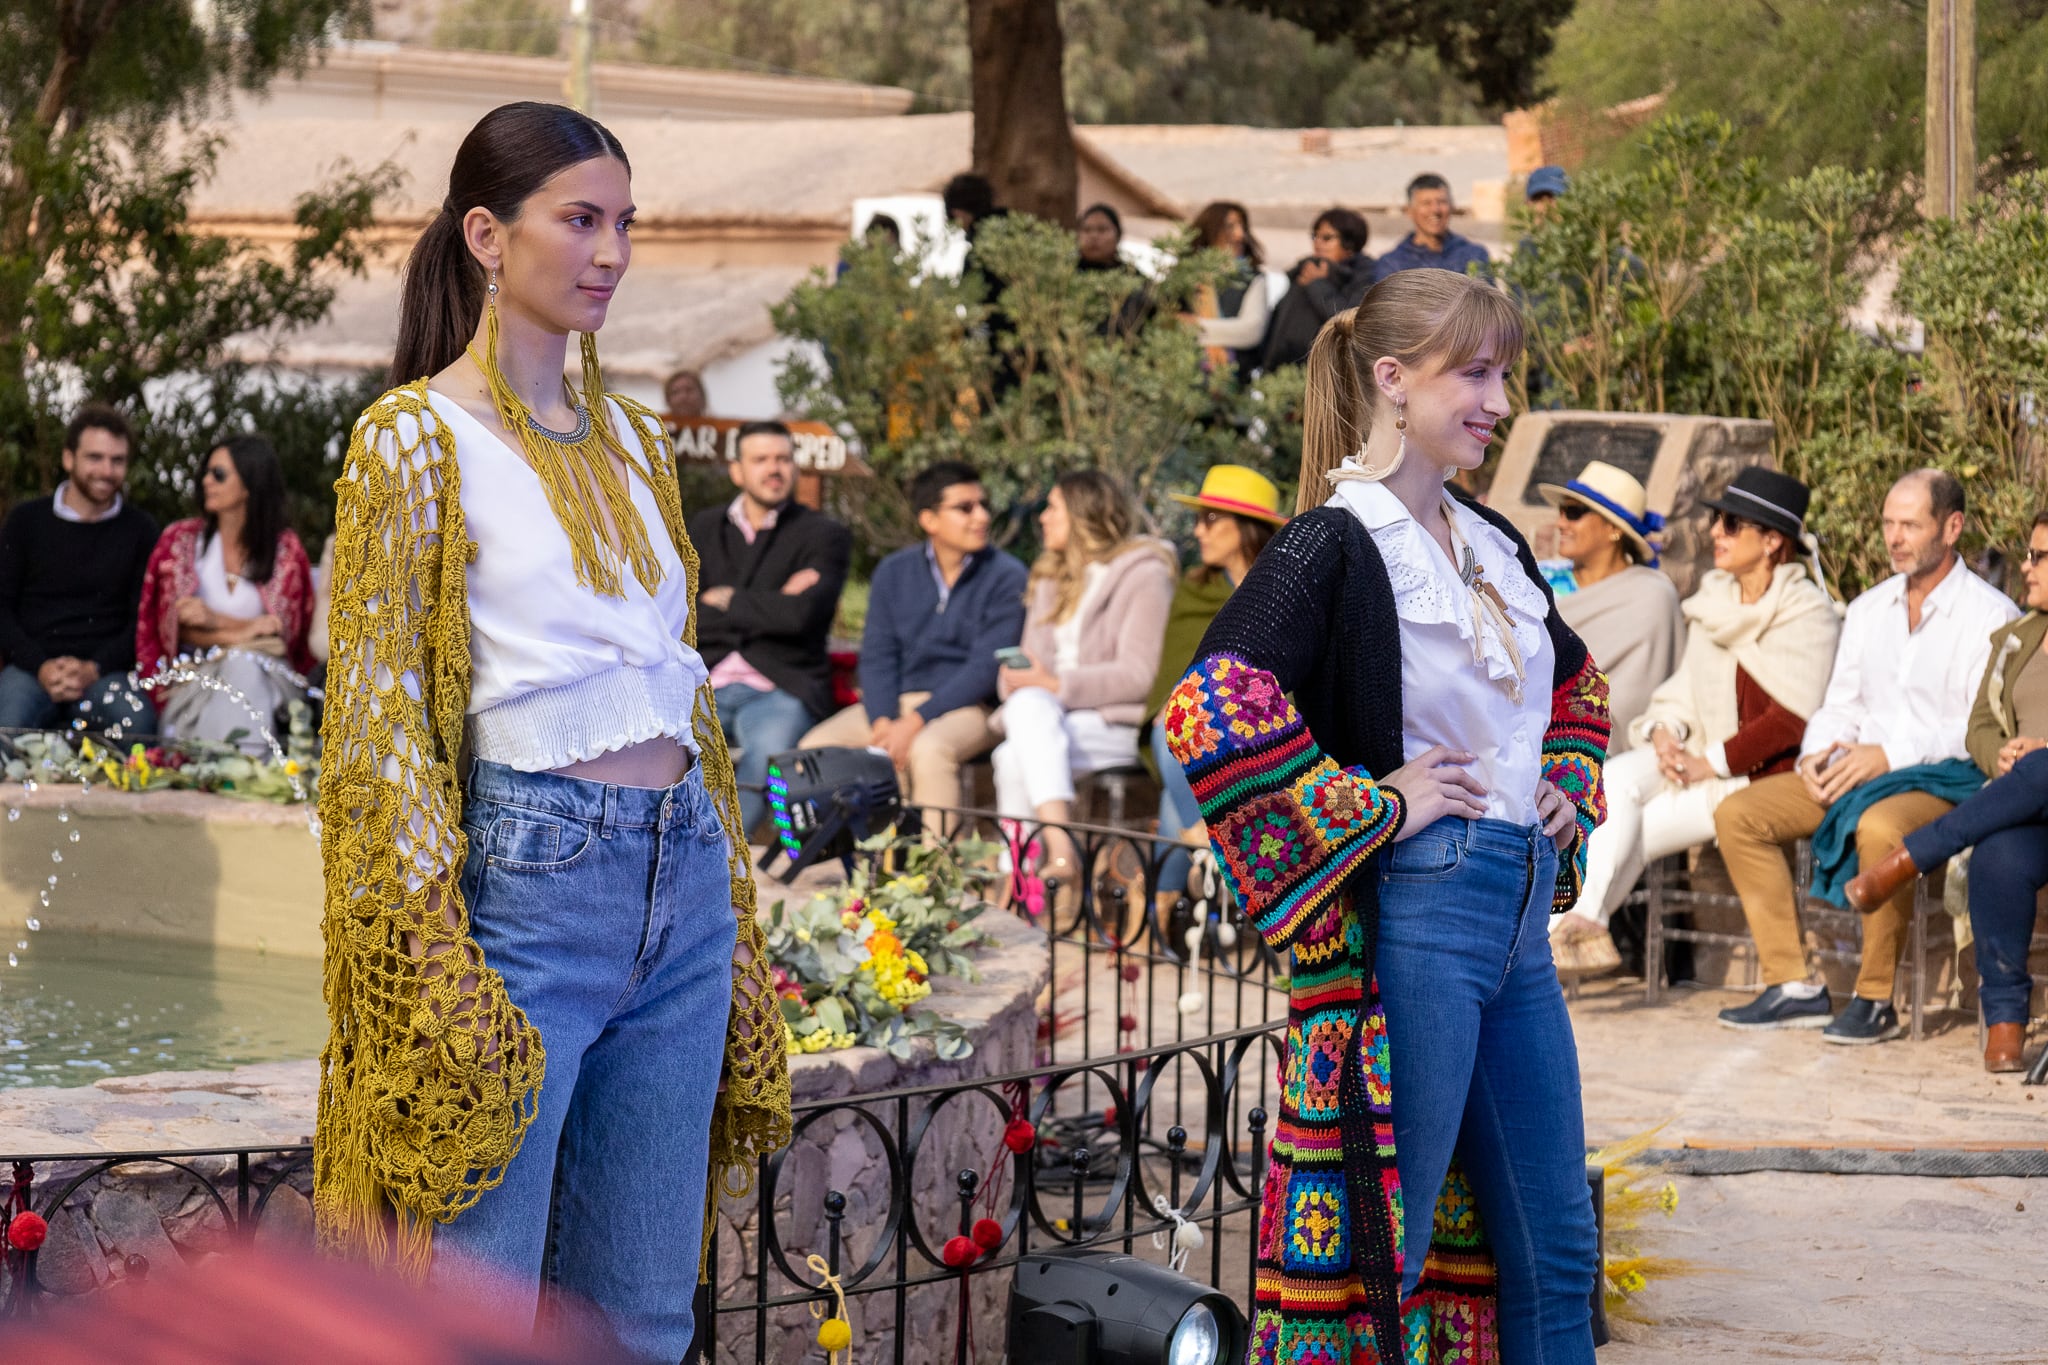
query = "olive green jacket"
{"x": 1991, "y": 720}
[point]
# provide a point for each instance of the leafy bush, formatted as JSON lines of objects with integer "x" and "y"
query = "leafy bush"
{"x": 1063, "y": 369}
{"x": 1691, "y": 284}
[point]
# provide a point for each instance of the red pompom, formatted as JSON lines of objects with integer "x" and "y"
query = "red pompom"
{"x": 987, "y": 1233}
{"x": 1131, "y": 972}
{"x": 960, "y": 1252}
{"x": 27, "y": 1231}
{"x": 1127, "y": 1022}
{"x": 1019, "y": 1136}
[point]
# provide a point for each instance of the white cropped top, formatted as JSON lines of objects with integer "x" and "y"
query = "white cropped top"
{"x": 560, "y": 674}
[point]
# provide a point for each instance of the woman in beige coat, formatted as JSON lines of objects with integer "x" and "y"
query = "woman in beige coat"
{"x": 1759, "y": 648}
{"x": 1095, "y": 620}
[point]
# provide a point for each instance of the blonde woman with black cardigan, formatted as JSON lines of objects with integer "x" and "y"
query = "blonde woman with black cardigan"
{"x": 1397, "y": 743}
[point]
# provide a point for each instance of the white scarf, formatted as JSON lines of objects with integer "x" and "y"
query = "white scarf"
{"x": 1785, "y": 641}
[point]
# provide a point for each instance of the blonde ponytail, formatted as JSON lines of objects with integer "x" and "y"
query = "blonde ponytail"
{"x": 1336, "y": 408}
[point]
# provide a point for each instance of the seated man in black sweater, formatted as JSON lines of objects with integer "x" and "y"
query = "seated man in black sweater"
{"x": 71, "y": 570}
{"x": 772, "y": 571}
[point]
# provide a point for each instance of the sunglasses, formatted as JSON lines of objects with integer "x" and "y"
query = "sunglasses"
{"x": 2034, "y": 557}
{"x": 1573, "y": 511}
{"x": 966, "y": 509}
{"x": 219, "y": 473}
{"x": 1209, "y": 516}
{"x": 1732, "y": 525}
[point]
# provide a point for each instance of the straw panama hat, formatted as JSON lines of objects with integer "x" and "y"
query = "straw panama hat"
{"x": 1615, "y": 495}
{"x": 1234, "y": 488}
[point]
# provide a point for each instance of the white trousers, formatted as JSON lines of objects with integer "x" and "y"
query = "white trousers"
{"x": 1647, "y": 819}
{"x": 1046, "y": 746}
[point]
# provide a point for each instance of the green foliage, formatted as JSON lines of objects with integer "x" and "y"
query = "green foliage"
{"x": 106, "y": 289}
{"x": 1809, "y": 82}
{"x": 1084, "y": 369}
{"x": 1693, "y": 282}
{"x": 1127, "y": 61}
{"x": 851, "y": 964}
{"x": 1494, "y": 44}
{"x": 185, "y": 765}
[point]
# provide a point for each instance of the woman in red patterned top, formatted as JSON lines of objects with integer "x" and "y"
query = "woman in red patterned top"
{"x": 231, "y": 592}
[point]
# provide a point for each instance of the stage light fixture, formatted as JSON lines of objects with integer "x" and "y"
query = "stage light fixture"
{"x": 1081, "y": 1306}
{"x": 825, "y": 801}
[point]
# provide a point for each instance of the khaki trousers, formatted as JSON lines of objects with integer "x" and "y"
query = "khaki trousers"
{"x": 1757, "y": 825}
{"x": 936, "y": 755}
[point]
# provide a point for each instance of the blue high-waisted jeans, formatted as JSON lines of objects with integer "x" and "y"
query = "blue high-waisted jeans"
{"x": 1483, "y": 1064}
{"x": 608, "y": 911}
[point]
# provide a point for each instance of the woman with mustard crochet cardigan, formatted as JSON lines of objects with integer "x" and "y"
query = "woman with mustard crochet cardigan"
{"x": 1397, "y": 742}
{"x": 551, "y": 1027}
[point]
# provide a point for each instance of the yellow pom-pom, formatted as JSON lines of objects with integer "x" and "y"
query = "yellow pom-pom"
{"x": 835, "y": 1334}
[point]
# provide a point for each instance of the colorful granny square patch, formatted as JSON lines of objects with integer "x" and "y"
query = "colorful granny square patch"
{"x": 1263, "y": 842}
{"x": 1317, "y": 1226}
{"x": 1322, "y": 1066}
{"x": 1337, "y": 803}
{"x": 1190, "y": 725}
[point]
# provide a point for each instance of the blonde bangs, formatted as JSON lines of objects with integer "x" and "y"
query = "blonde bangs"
{"x": 1477, "y": 320}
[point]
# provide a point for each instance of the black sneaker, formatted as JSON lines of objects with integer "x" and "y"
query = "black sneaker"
{"x": 1775, "y": 1009}
{"x": 1863, "y": 1022}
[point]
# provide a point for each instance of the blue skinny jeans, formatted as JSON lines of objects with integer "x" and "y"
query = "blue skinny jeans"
{"x": 2007, "y": 823}
{"x": 608, "y": 911}
{"x": 1483, "y": 1065}
{"x": 1178, "y": 810}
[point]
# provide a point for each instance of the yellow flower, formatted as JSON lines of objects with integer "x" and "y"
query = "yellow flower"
{"x": 291, "y": 767}
{"x": 85, "y": 750}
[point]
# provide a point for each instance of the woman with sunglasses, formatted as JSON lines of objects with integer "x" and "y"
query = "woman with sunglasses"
{"x": 2006, "y": 822}
{"x": 230, "y": 589}
{"x": 1759, "y": 647}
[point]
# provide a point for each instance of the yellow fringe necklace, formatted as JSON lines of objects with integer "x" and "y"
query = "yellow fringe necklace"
{"x": 585, "y": 486}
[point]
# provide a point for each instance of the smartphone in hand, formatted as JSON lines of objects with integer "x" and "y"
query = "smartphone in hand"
{"x": 1013, "y": 657}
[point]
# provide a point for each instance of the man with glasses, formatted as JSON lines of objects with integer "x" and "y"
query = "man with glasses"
{"x": 937, "y": 613}
{"x": 71, "y": 569}
{"x": 1879, "y": 748}
{"x": 1432, "y": 245}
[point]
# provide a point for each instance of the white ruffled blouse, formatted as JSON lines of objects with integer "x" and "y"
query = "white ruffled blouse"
{"x": 1447, "y": 697}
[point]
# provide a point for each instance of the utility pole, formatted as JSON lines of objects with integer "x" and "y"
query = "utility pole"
{"x": 1951, "y": 106}
{"x": 576, "y": 86}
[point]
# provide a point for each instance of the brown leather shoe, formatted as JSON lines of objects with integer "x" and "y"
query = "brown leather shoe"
{"x": 2003, "y": 1044}
{"x": 1873, "y": 887}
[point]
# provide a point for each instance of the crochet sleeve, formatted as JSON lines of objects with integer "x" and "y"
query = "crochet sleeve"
{"x": 1290, "y": 828}
{"x": 1574, "y": 752}
{"x": 430, "y": 1075}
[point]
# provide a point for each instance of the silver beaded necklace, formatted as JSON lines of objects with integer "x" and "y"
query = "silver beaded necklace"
{"x": 564, "y": 438}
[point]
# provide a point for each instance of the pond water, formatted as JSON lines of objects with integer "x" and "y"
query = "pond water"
{"x": 80, "y": 1007}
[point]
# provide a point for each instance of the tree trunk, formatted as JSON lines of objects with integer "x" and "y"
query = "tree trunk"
{"x": 1022, "y": 140}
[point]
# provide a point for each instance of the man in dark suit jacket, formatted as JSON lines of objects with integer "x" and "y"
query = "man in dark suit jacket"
{"x": 772, "y": 571}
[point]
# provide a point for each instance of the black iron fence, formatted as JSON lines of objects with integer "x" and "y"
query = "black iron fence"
{"x": 1142, "y": 1118}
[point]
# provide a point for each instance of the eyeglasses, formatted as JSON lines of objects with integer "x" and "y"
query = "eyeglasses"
{"x": 1732, "y": 525}
{"x": 219, "y": 473}
{"x": 1572, "y": 511}
{"x": 1209, "y": 516}
{"x": 2034, "y": 557}
{"x": 966, "y": 509}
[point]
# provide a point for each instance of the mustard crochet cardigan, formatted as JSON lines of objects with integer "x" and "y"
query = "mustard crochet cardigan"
{"x": 417, "y": 1118}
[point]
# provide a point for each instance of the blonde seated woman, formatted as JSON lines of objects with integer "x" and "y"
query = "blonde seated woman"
{"x": 1759, "y": 650}
{"x": 1094, "y": 623}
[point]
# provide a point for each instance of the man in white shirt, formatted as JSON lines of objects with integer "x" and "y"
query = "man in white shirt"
{"x": 1913, "y": 649}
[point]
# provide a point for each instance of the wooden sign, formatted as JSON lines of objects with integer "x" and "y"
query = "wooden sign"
{"x": 819, "y": 449}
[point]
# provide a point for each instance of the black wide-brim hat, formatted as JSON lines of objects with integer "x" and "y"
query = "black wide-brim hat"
{"x": 1770, "y": 499}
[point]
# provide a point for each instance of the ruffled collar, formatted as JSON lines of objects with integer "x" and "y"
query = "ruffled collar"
{"x": 1427, "y": 589}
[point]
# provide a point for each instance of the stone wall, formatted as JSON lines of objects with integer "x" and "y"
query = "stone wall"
{"x": 838, "y": 1151}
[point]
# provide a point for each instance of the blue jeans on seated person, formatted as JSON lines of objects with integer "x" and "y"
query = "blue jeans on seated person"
{"x": 111, "y": 702}
{"x": 1483, "y": 1066}
{"x": 1178, "y": 810}
{"x": 2007, "y": 823}
{"x": 608, "y": 911}
{"x": 760, "y": 725}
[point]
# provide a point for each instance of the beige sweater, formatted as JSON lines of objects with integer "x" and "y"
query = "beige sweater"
{"x": 1630, "y": 623}
{"x": 1123, "y": 626}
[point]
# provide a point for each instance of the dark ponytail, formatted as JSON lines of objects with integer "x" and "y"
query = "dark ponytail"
{"x": 512, "y": 152}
